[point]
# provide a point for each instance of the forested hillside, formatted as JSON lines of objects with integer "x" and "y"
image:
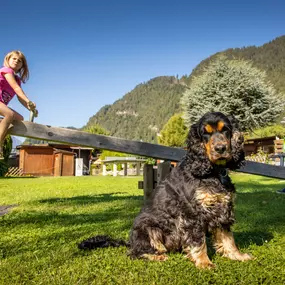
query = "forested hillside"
{"x": 269, "y": 57}
{"x": 141, "y": 113}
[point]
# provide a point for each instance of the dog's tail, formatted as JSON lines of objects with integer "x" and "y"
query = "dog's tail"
{"x": 101, "y": 241}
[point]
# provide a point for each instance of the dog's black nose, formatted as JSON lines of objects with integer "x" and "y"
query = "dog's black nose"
{"x": 220, "y": 148}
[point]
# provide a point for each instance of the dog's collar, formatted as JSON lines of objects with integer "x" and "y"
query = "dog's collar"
{"x": 223, "y": 172}
{"x": 223, "y": 175}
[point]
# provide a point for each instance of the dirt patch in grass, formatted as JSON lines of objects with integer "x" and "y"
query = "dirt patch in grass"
{"x": 4, "y": 209}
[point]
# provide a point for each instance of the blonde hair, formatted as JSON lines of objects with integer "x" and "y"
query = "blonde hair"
{"x": 24, "y": 70}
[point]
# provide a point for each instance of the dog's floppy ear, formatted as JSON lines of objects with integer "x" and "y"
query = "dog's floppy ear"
{"x": 197, "y": 162}
{"x": 193, "y": 139}
{"x": 237, "y": 141}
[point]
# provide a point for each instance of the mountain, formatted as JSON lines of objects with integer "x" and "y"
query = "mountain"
{"x": 269, "y": 57}
{"x": 141, "y": 113}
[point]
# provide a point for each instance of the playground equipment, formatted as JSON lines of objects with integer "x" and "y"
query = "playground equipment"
{"x": 79, "y": 138}
{"x": 33, "y": 111}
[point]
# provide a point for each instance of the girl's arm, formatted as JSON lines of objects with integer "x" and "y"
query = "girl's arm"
{"x": 24, "y": 100}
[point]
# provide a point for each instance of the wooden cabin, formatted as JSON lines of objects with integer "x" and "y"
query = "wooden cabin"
{"x": 266, "y": 144}
{"x": 43, "y": 160}
{"x": 63, "y": 163}
{"x": 52, "y": 159}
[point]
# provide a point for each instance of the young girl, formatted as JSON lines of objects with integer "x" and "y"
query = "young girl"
{"x": 14, "y": 71}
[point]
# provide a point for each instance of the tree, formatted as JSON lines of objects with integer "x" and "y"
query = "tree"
{"x": 273, "y": 130}
{"x": 7, "y": 147}
{"x": 233, "y": 87}
{"x": 95, "y": 129}
{"x": 174, "y": 132}
{"x": 30, "y": 141}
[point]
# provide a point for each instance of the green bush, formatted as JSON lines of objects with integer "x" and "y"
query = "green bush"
{"x": 3, "y": 168}
{"x": 174, "y": 132}
{"x": 274, "y": 130}
{"x": 7, "y": 148}
{"x": 233, "y": 87}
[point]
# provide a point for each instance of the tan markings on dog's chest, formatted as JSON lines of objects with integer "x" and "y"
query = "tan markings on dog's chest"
{"x": 208, "y": 200}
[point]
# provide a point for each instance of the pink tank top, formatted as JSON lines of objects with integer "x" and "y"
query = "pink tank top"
{"x": 6, "y": 91}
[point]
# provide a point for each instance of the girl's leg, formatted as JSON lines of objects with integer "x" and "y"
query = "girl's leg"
{"x": 17, "y": 116}
{"x": 9, "y": 116}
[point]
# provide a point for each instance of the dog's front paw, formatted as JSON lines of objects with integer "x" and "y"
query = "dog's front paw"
{"x": 245, "y": 257}
{"x": 205, "y": 264}
{"x": 154, "y": 257}
{"x": 240, "y": 256}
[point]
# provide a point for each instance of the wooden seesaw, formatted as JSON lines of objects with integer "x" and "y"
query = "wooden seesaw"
{"x": 80, "y": 138}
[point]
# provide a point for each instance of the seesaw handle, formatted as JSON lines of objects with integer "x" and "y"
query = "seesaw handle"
{"x": 33, "y": 114}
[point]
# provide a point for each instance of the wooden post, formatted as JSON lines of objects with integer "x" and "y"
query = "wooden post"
{"x": 138, "y": 168}
{"x": 162, "y": 170}
{"x": 125, "y": 169}
{"x": 115, "y": 169}
{"x": 147, "y": 181}
{"x": 104, "y": 173}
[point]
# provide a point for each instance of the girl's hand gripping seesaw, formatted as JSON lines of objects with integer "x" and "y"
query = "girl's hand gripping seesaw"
{"x": 33, "y": 111}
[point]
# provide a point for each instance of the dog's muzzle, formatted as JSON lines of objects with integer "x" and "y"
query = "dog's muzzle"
{"x": 220, "y": 151}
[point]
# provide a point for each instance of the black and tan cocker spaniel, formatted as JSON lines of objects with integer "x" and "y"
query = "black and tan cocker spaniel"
{"x": 196, "y": 198}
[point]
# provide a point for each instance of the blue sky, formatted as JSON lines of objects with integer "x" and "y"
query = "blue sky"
{"x": 85, "y": 54}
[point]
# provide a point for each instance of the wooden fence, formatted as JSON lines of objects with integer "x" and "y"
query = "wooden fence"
{"x": 14, "y": 172}
{"x": 79, "y": 138}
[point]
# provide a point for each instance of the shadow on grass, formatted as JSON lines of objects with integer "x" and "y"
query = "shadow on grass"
{"x": 120, "y": 213}
{"x": 18, "y": 177}
{"x": 91, "y": 199}
{"x": 69, "y": 228}
{"x": 259, "y": 210}
{"x": 259, "y": 186}
{"x": 244, "y": 239}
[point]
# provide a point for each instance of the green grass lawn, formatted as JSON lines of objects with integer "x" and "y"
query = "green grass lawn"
{"x": 39, "y": 237}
